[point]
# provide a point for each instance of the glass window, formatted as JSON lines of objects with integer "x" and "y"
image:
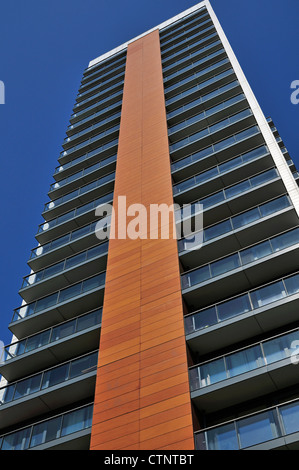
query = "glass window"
{"x": 46, "y": 431}
{"x": 194, "y": 379}
{"x": 244, "y": 361}
{"x": 83, "y": 365}
{"x": 233, "y": 307}
{"x": 285, "y": 240}
{"x": 225, "y": 264}
{"x": 273, "y": 206}
{"x": 28, "y": 386}
{"x": 70, "y": 292}
{"x": 87, "y": 321}
{"x": 222, "y": 438}
{"x": 290, "y": 417}
{"x": 237, "y": 189}
{"x": 8, "y": 394}
{"x": 61, "y": 331}
{"x": 217, "y": 230}
{"x": 55, "y": 376}
{"x": 281, "y": 347}
{"x": 256, "y": 252}
{"x": 268, "y": 294}
{"x": 46, "y": 302}
{"x": 17, "y": 441}
{"x": 246, "y": 218}
{"x": 212, "y": 372}
{"x": 76, "y": 420}
{"x": 256, "y": 429}
{"x": 292, "y": 284}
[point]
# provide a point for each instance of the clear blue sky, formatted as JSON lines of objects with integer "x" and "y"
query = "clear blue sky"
{"x": 45, "y": 46}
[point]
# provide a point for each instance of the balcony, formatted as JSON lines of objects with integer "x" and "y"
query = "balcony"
{"x": 225, "y": 174}
{"x": 273, "y": 428}
{"x": 67, "y": 431}
{"x": 173, "y": 39}
{"x": 80, "y": 196}
{"x": 70, "y": 220}
{"x": 242, "y": 270}
{"x": 101, "y": 105}
{"x": 183, "y": 23}
{"x": 62, "y": 247}
{"x": 92, "y": 98}
{"x": 51, "y": 346}
{"x": 237, "y": 232}
{"x": 241, "y": 375}
{"x": 58, "y": 306}
{"x": 65, "y": 272}
{"x": 38, "y": 394}
{"x": 249, "y": 314}
{"x": 83, "y": 176}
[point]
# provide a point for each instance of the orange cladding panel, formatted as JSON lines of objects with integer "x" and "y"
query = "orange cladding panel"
{"x": 142, "y": 397}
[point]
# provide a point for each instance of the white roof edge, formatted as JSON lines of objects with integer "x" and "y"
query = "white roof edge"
{"x": 160, "y": 26}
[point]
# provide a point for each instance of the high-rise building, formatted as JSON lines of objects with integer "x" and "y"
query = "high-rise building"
{"x": 140, "y": 342}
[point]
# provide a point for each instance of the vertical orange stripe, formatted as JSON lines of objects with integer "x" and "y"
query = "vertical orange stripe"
{"x": 142, "y": 398}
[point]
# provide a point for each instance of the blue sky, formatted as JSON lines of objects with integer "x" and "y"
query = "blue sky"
{"x": 45, "y": 46}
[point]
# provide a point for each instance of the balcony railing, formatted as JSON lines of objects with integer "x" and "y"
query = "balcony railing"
{"x": 175, "y": 37}
{"x": 220, "y": 169}
{"x": 200, "y": 100}
{"x": 68, "y": 263}
{"x": 196, "y": 75}
{"x": 75, "y": 212}
{"x": 174, "y": 29}
{"x": 257, "y": 428}
{"x": 244, "y": 360}
{"x": 187, "y": 45}
{"x": 240, "y": 258}
{"x": 63, "y": 295}
{"x": 197, "y": 88}
{"x": 241, "y": 304}
{"x": 197, "y": 118}
{"x": 94, "y": 116}
{"x": 213, "y": 149}
{"x": 48, "y": 430}
{"x": 51, "y": 335}
{"x": 82, "y": 173}
{"x": 80, "y": 191}
{"x": 238, "y": 221}
{"x": 49, "y": 378}
{"x": 210, "y": 130}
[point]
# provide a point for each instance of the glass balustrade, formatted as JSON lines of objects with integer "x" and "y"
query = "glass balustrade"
{"x": 100, "y": 79}
{"x": 92, "y": 127}
{"x": 195, "y": 119}
{"x": 196, "y": 89}
{"x": 245, "y": 360}
{"x": 93, "y": 116}
{"x": 179, "y": 27}
{"x": 48, "y": 430}
{"x": 187, "y": 45}
{"x": 97, "y": 104}
{"x": 108, "y": 198}
{"x": 245, "y": 303}
{"x": 210, "y": 130}
{"x": 51, "y": 335}
{"x": 96, "y": 70}
{"x": 101, "y": 92}
{"x": 238, "y": 221}
{"x": 78, "y": 192}
{"x": 191, "y": 55}
{"x": 240, "y": 258}
{"x": 59, "y": 297}
{"x": 183, "y": 34}
{"x": 201, "y": 99}
{"x": 194, "y": 64}
{"x": 213, "y": 149}
{"x": 68, "y": 263}
{"x": 195, "y": 75}
{"x": 49, "y": 378}
{"x": 260, "y": 427}
{"x": 84, "y": 172}
{"x": 89, "y": 141}
{"x": 220, "y": 169}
